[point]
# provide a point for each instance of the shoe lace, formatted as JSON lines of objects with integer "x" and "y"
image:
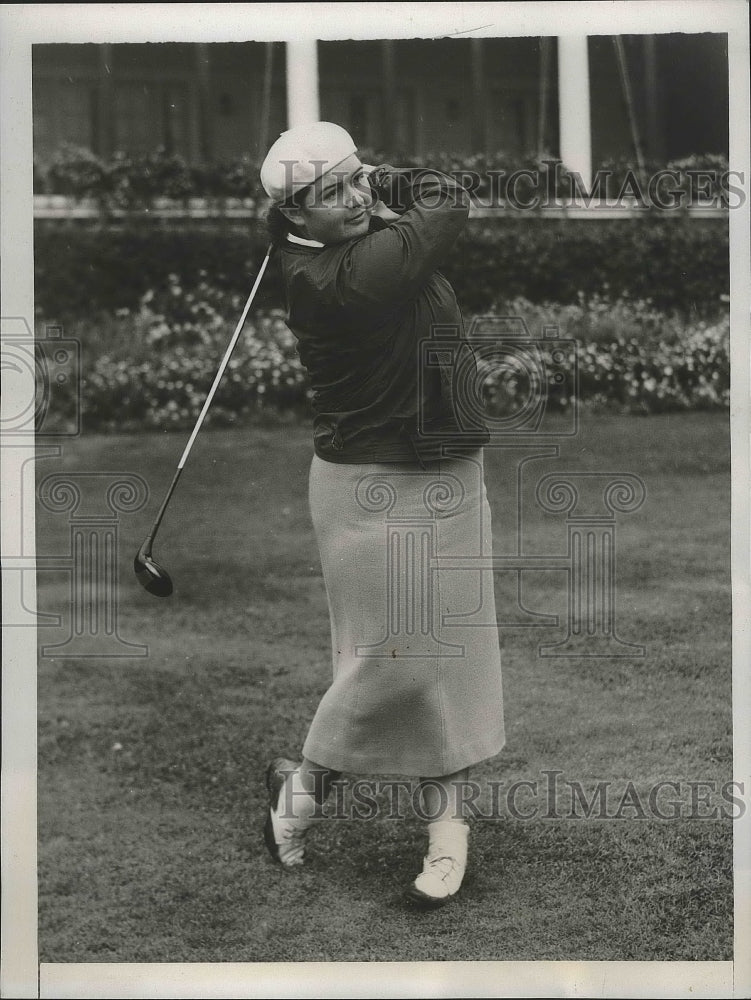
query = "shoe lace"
{"x": 292, "y": 844}
{"x": 295, "y": 834}
{"x": 442, "y": 863}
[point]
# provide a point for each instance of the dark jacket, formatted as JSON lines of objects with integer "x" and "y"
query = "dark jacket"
{"x": 367, "y": 314}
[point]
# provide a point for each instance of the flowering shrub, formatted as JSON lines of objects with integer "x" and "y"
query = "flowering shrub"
{"x": 73, "y": 171}
{"x": 157, "y": 363}
{"x": 130, "y": 180}
{"x": 228, "y": 179}
{"x": 184, "y": 334}
{"x": 138, "y": 180}
{"x": 598, "y": 318}
{"x": 641, "y": 378}
{"x": 177, "y": 316}
{"x": 633, "y": 358}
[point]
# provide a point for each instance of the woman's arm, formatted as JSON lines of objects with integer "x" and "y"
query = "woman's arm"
{"x": 378, "y": 272}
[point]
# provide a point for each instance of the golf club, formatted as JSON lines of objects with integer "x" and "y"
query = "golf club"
{"x": 150, "y": 574}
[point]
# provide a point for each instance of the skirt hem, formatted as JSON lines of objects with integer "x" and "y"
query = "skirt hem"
{"x": 369, "y": 764}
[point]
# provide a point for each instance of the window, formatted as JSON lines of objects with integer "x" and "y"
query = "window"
{"x": 148, "y": 115}
{"x": 64, "y": 111}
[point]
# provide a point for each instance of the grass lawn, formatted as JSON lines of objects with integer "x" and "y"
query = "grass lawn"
{"x": 151, "y": 798}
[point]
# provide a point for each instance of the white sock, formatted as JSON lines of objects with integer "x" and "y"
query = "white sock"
{"x": 446, "y": 860}
{"x": 295, "y": 802}
{"x": 451, "y": 834}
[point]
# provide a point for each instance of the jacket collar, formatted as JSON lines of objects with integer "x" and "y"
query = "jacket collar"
{"x": 302, "y": 242}
{"x": 376, "y": 224}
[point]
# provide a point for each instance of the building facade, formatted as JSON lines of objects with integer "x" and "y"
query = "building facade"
{"x": 659, "y": 96}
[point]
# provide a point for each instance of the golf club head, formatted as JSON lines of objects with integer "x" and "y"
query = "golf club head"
{"x": 151, "y": 575}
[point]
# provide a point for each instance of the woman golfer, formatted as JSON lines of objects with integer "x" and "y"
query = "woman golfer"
{"x": 396, "y": 486}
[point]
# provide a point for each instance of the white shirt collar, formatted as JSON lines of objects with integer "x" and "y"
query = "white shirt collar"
{"x": 305, "y": 243}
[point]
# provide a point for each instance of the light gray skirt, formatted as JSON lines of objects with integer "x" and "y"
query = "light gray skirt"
{"x": 417, "y": 668}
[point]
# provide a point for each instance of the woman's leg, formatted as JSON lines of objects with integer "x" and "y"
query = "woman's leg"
{"x": 448, "y": 837}
{"x": 317, "y": 780}
{"x": 442, "y": 798}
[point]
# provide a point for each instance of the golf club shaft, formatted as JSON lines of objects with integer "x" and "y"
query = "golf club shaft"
{"x": 227, "y": 354}
{"x": 225, "y": 362}
{"x": 155, "y": 527}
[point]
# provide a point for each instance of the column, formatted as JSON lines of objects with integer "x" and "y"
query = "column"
{"x": 265, "y": 110}
{"x": 653, "y": 100}
{"x": 479, "y": 95}
{"x": 574, "y": 110}
{"x": 302, "y": 82}
{"x": 105, "y": 108}
{"x": 388, "y": 79}
{"x": 542, "y": 113}
{"x": 203, "y": 68}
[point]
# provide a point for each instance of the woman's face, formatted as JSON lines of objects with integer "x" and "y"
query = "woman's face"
{"x": 338, "y": 206}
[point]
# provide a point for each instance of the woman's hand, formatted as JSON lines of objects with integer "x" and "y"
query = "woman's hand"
{"x": 379, "y": 208}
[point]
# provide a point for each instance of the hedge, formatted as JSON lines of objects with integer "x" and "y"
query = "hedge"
{"x": 152, "y": 368}
{"x": 132, "y": 180}
{"x": 679, "y": 263}
{"x": 82, "y": 269}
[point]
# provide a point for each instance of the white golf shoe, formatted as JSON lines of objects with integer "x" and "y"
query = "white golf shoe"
{"x": 283, "y": 834}
{"x": 444, "y": 865}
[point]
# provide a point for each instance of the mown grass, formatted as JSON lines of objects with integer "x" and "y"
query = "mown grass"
{"x": 151, "y": 797}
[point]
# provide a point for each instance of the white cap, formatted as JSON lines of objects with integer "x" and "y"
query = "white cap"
{"x": 301, "y": 155}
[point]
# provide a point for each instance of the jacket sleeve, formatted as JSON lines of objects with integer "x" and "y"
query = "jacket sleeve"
{"x": 383, "y": 270}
